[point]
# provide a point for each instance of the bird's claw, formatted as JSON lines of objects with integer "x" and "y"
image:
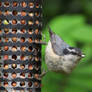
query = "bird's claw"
{"x": 44, "y": 72}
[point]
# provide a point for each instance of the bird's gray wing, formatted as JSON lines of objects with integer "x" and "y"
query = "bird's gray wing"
{"x": 58, "y": 44}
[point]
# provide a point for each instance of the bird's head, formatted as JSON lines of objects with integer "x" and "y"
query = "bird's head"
{"x": 73, "y": 53}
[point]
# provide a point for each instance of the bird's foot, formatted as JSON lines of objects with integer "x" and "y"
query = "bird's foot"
{"x": 42, "y": 42}
{"x": 44, "y": 72}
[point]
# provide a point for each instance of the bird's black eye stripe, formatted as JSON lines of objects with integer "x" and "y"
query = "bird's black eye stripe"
{"x": 66, "y": 51}
{"x": 71, "y": 51}
{"x": 74, "y": 53}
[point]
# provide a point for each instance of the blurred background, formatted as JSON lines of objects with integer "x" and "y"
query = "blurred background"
{"x": 72, "y": 20}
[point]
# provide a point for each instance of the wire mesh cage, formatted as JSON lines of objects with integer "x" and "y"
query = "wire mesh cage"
{"x": 20, "y": 53}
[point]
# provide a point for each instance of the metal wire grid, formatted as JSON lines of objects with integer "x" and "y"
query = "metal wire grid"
{"x": 20, "y": 55}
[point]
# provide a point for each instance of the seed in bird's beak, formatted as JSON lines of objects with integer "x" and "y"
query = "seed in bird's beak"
{"x": 82, "y": 55}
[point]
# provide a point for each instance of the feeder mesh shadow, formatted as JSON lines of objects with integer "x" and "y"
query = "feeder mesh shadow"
{"x": 20, "y": 51}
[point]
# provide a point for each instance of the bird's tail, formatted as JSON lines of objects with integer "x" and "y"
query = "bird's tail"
{"x": 50, "y": 31}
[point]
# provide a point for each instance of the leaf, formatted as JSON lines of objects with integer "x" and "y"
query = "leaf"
{"x": 51, "y": 82}
{"x": 87, "y": 69}
{"x": 83, "y": 34}
{"x": 85, "y": 83}
{"x": 74, "y": 88}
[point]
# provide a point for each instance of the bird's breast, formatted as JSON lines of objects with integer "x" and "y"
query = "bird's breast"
{"x": 50, "y": 54}
{"x": 51, "y": 58}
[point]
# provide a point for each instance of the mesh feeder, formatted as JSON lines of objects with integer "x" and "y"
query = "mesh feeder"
{"x": 20, "y": 53}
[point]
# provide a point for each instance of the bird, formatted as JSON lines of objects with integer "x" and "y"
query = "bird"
{"x": 61, "y": 57}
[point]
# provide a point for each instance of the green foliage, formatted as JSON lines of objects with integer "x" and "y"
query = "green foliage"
{"x": 87, "y": 6}
{"x": 52, "y": 8}
{"x": 86, "y": 34}
{"x": 74, "y": 31}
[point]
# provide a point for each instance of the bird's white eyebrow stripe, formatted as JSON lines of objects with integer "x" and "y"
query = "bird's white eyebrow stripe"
{"x": 71, "y": 50}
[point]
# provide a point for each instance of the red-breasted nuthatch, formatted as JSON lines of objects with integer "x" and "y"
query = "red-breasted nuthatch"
{"x": 59, "y": 56}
